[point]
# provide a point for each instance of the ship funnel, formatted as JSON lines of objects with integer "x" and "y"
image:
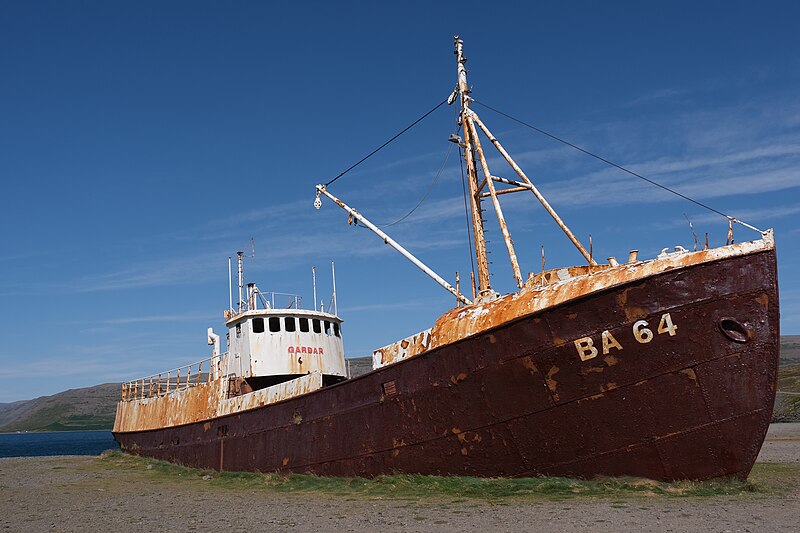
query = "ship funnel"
{"x": 251, "y": 296}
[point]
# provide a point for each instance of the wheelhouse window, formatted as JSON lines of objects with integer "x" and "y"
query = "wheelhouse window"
{"x": 327, "y": 328}
{"x": 274, "y": 324}
{"x": 317, "y": 327}
{"x": 239, "y": 329}
{"x": 290, "y": 324}
{"x": 336, "y": 329}
{"x": 258, "y": 325}
{"x": 303, "y": 324}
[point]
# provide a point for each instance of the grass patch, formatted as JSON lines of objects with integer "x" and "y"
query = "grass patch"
{"x": 781, "y": 478}
{"x": 41, "y": 419}
{"x": 767, "y": 478}
{"x": 57, "y": 417}
{"x": 789, "y": 378}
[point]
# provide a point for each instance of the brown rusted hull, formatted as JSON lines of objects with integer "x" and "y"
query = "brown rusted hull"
{"x": 517, "y": 400}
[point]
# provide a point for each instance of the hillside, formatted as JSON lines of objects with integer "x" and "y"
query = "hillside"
{"x": 359, "y": 365}
{"x": 74, "y": 409}
{"x": 94, "y": 407}
{"x": 787, "y": 402}
{"x": 790, "y": 350}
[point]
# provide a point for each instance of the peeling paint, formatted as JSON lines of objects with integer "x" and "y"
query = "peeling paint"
{"x": 551, "y": 288}
{"x": 203, "y": 402}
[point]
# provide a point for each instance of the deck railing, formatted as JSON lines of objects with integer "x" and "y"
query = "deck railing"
{"x": 172, "y": 380}
{"x": 280, "y": 300}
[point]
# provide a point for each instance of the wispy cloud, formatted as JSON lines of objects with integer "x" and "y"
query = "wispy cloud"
{"x": 655, "y": 96}
{"x": 754, "y": 216}
{"x": 156, "y": 318}
{"x": 392, "y": 306}
{"x": 185, "y": 269}
{"x": 747, "y": 150}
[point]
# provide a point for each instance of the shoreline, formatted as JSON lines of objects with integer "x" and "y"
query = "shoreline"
{"x": 39, "y": 431}
{"x": 71, "y": 494}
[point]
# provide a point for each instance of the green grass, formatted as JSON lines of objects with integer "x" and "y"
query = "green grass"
{"x": 42, "y": 419}
{"x": 781, "y": 478}
{"x": 82, "y": 423}
{"x": 787, "y": 406}
{"x": 789, "y": 378}
{"x": 57, "y": 417}
{"x": 765, "y": 479}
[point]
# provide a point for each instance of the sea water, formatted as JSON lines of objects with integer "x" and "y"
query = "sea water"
{"x": 56, "y": 443}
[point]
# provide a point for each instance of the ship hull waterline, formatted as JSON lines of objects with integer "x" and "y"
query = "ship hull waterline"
{"x": 686, "y": 395}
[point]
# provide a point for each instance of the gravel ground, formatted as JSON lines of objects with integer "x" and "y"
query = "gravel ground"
{"x": 79, "y": 494}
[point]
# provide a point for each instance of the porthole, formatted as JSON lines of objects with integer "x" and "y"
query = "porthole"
{"x": 734, "y": 330}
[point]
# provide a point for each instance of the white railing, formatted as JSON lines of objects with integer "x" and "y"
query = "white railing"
{"x": 280, "y": 300}
{"x": 175, "y": 379}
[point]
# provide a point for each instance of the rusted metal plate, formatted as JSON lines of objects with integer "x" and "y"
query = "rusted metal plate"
{"x": 205, "y": 401}
{"x": 579, "y": 283}
{"x": 397, "y": 351}
{"x": 517, "y": 399}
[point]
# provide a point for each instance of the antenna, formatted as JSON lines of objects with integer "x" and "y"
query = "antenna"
{"x": 230, "y": 285}
{"x": 314, "y": 281}
{"x": 239, "y": 256}
{"x": 333, "y": 275}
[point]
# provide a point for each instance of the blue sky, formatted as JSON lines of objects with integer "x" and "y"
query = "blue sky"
{"x": 143, "y": 143}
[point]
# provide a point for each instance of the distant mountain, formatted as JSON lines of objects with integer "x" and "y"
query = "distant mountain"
{"x": 790, "y": 350}
{"x": 95, "y": 407}
{"x": 787, "y": 402}
{"x": 6, "y": 409}
{"x": 359, "y": 365}
{"x": 74, "y": 409}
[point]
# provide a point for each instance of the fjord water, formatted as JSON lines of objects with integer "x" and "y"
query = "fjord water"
{"x": 56, "y": 443}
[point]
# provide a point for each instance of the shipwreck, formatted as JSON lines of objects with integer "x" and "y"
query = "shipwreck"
{"x": 663, "y": 368}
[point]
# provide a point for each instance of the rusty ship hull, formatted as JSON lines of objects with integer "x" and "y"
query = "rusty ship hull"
{"x": 524, "y": 393}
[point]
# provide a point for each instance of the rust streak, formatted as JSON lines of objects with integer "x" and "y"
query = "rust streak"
{"x": 552, "y": 384}
{"x": 456, "y": 379}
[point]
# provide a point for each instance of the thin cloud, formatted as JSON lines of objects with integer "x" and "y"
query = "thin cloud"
{"x": 394, "y": 306}
{"x": 156, "y": 318}
{"x": 655, "y": 96}
{"x": 754, "y": 216}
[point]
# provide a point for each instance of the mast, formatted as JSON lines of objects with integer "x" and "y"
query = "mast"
{"x": 314, "y": 282}
{"x": 470, "y": 123}
{"x": 333, "y": 277}
{"x": 230, "y": 286}
{"x": 484, "y": 285}
{"x": 240, "y": 305}
{"x": 473, "y": 154}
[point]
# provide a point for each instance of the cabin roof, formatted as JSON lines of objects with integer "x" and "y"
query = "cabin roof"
{"x": 241, "y": 317}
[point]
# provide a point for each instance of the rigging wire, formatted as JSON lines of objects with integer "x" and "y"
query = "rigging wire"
{"x": 434, "y": 181}
{"x": 620, "y": 167}
{"x": 427, "y": 193}
{"x": 376, "y": 150}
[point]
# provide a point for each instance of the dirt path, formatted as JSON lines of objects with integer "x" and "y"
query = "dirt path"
{"x": 80, "y": 494}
